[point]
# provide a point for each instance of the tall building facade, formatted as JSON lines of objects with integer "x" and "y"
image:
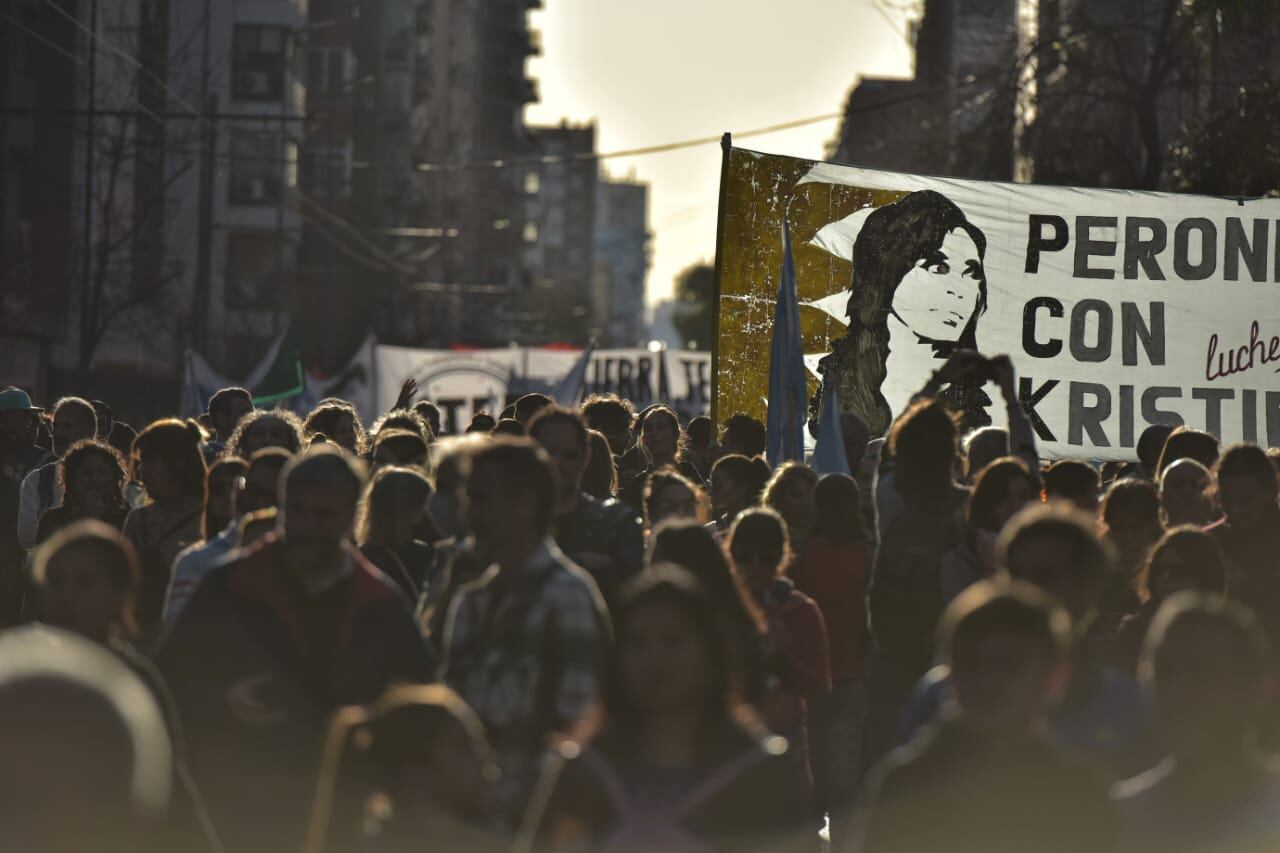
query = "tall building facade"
{"x": 622, "y": 259}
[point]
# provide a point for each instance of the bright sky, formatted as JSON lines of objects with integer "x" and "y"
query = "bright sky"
{"x": 666, "y": 70}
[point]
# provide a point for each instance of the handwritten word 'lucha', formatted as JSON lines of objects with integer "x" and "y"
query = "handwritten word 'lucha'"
{"x": 1245, "y": 357}
{"x": 1200, "y": 248}
{"x": 1113, "y": 416}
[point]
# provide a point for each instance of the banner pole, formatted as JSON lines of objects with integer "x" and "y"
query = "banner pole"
{"x": 726, "y": 145}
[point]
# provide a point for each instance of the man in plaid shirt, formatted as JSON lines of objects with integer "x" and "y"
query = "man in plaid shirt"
{"x": 525, "y": 642}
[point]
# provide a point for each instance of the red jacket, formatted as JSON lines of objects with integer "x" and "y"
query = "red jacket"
{"x": 835, "y": 576}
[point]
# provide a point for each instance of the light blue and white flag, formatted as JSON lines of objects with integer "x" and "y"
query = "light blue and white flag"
{"x": 788, "y": 388}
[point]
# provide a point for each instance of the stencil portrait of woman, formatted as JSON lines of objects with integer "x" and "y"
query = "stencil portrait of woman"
{"x": 918, "y": 282}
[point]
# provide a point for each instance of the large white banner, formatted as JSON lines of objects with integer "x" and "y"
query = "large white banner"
{"x": 1119, "y": 309}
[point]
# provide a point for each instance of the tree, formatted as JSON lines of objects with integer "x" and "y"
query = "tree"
{"x": 694, "y": 314}
{"x": 1235, "y": 150}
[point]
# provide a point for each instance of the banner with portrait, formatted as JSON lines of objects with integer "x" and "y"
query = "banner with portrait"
{"x": 1119, "y": 309}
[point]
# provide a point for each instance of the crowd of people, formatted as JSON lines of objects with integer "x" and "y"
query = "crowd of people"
{"x": 594, "y": 628}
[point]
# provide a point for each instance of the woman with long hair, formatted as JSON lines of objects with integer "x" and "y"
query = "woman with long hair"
{"x": 919, "y": 281}
{"x": 1185, "y": 559}
{"x": 1004, "y": 487}
{"x": 395, "y": 528}
{"x": 662, "y": 444}
{"x": 670, "y": 494}
{"x": 789, "y": 493}
{"x": 171, "y": 468}
{"x": 675, "y": 761}
{"x": 834, "y": 568}
{"x": 736, "y": 485}
{"x": 692, "y": 547}
{"x": 93, "y": 476}
{"x": 761, "y": 552}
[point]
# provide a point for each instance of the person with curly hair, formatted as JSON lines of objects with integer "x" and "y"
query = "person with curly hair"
{"x": 92, "y": 475}
{"x": 340, "y": 424}
{"x": 266, "y": 428}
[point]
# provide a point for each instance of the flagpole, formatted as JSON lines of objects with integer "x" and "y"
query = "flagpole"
{"x": 726, "y": 145}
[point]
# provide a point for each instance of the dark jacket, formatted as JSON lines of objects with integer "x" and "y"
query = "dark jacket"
{"x": 611, "y": 528}
{"x": 961, "y": 789}
{"x": 257, "y": 665}
{"x": 765, "y": 806}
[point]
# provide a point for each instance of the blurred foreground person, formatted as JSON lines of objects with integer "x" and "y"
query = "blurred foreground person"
{"x": 409, "y": 770}
{"x": 87, "y": 758}
{"x": 272, "y": 642}
{"x": 1102, "y": 713}
{"x": 1186, "y": 559}
{"x": 987, "y": 778}
{"x": 523, "y": 643}
{"x": 1208, "y": 667}
{"x": 675, "y": 763}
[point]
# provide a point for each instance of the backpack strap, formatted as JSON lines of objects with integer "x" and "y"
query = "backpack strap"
{"x": 609, "y": 780}
{"x": 722, "y": 777}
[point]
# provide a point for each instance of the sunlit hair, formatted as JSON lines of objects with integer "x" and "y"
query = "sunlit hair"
{"x": 235, "y": 467}
{"x": 923, "y": 445}
{"x": 79, "y": 405}
{"x": 1067, "y": 527}
{"x": 176, "y": 444}
{"x": 608, "y": 412}
{"x": 408, "y": 447}
{"x": 1248, "y": 461}
{"x": 690, "y": 545}
{"x": 1136, "y": 497}
{"x": 990, "y": 488}
{"x": 1007, "y": 607}
{"x": 109, "y": 552}
{"x": 236, "y": 445}
{"x": 838, "y": 511}
{"x": 78, "y": 453}
{"x": 751, "y": 474}
{"x": 390, "y": 499}
{"x": 787, "y": 475}
{"x": 554, "y": 414}
{"x": 677, "y": 435}
{"x": 760, "y": 531}
{"x": 1180, "y": 625}
{"x": 403, "y": 419}
{"x": 665, "y": 478}
{"x": 1199, "y": 560}
{"x": 600, "y": 480}
{"x": 324, "y": 420}
{"x": 1071, "y": 479}
{"x": 322, "y": 467}
{"x": 367, "y": 745}
{"x": 893, "y": 240}
{"x": 1184, "y": 443}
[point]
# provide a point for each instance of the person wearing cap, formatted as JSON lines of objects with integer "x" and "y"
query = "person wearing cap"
{"x": 19, "y": 455}
{"x": 74, "y": 419}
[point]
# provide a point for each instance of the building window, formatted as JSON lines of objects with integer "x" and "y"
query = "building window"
{"x": 532, "y": 183}
{"x": 328, "y": 70}
{"x": 253, "y": 257}
{"x": 326, "y": 168}
{"x": 531, "y": 232}
{"x": 257, "y": 167}
{"x": 260, "y": 56}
